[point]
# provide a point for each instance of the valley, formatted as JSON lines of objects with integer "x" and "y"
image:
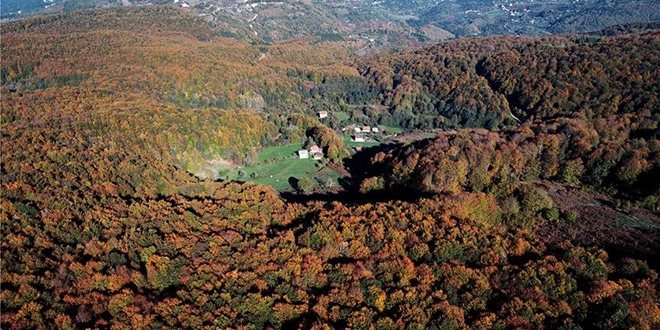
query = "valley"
{"x": 164, "y": 167}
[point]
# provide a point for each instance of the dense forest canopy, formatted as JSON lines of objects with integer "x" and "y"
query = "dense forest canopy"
{"x": 151, "y": 67}
{"x": 536, "y": 205}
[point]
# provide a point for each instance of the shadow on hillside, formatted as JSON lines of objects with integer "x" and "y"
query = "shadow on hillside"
{"x": 359, "y": 168}
{"x": 354, "y": 197}
{"x": 618, "y": 252}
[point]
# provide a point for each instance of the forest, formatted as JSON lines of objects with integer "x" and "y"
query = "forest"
{"x": 536, "y": 205}
{"x": 377, "y": 24}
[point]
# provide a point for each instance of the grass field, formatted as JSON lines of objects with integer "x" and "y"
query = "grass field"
{"x": 288, "y": 151}
{"x": 342, "y": 116}
{"x": 277, "y": 165}
{"x": 392, "y": 129}
{"x": 352, "y": 144}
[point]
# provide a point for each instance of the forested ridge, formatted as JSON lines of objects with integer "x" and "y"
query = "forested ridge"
{"x": 601, "y": 155}
{"x": 479, "y": 82}
{"x": 103, "y": 226}
{"x": 169, "y": 70}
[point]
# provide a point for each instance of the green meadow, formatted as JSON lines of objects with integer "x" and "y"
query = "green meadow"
{"x": 277, "y": 165}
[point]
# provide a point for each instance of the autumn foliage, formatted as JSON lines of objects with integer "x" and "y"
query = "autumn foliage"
{"x": 103, "y": 227}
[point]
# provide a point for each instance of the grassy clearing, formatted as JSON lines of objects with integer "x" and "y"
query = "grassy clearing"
{"x": 348, "y": 139}
{"x": 391, "y": 129}
{"x": 283, "y": 152}
{"x": 342, "y": 116}
{"x": 277, "y": 165}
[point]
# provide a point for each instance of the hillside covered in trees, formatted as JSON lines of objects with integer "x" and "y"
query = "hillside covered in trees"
{"x": 105, "y": 115}
{"x": 378, "y": 24}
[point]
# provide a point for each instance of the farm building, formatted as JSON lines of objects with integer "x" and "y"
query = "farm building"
{"x": 316, "y": 152}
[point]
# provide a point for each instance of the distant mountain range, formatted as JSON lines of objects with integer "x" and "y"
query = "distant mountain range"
{"x": 381, "y": 23}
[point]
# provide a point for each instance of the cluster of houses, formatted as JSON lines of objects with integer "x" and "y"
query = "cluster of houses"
{"x": 314, "y": 151}
{"x": 360, "y": 131}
